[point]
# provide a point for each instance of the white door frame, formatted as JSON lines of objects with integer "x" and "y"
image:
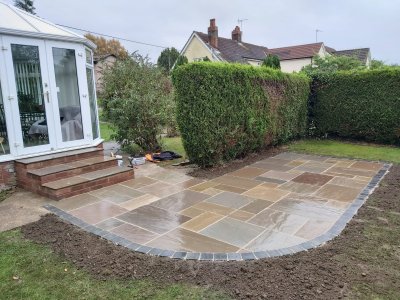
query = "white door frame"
{"x": 6, "y": 102}
{"x": 83, "y": 93}
{"x": 18, "y": 145}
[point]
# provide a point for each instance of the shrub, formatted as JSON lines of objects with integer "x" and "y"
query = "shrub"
{"x": 272, "y": 61}
{"x": 359, "y": 104}
{"x": 136, "y": 97}
{"x": 225, "y": 111}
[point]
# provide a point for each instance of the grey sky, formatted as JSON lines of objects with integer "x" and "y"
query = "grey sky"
{"x": 345, "y": 24}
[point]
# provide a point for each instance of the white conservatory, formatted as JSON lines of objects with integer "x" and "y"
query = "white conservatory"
{"x": 47, "y": 89}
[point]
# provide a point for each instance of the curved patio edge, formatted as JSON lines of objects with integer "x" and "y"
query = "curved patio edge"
{"x": 334, "y": 231}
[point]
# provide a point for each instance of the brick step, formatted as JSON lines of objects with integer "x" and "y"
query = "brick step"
{"x": 57, "y": 158}
{"x": 83, "y": 183}
{"x": 57, "y": 172}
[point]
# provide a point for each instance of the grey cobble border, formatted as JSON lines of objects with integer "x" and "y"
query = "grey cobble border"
{"x": 334, "y": 231}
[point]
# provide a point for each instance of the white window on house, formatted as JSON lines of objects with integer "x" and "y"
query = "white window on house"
{"x": 92, "y": 93}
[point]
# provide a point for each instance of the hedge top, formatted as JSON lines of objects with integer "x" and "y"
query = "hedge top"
{"x": 250, "y": 71}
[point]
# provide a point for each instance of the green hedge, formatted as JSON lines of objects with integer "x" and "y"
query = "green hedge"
{"x": 225, "y": 111}
{"x": 360, "y": 104}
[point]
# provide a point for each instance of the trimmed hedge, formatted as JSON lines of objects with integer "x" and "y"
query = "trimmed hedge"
{"x": 360, "y": 105}
{"x": 225, "y": 111}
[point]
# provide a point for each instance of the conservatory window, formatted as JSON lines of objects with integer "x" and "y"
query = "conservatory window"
{"x": 92, "y": 94}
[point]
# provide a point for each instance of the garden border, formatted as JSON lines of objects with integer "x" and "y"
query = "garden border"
{"x": 334, "y": 231}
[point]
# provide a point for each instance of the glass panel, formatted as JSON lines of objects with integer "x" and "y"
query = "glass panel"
{"x": 88, "y": 56}
{"x": 68, "y": 94}
{"x": 4, "y": 148}
{"x": 93, "y": 103}
{"x": 32, "y": 109}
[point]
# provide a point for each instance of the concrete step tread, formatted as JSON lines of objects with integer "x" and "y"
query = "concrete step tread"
{"x": 87, "y": 177}
{"x": 70, "y": 166}
{"x": 42, "y": 158}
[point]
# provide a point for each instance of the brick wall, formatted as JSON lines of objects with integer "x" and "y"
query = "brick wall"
{"x": 7, "y": 173}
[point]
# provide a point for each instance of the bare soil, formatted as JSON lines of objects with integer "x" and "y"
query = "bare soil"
{"x": 363, "y": 262}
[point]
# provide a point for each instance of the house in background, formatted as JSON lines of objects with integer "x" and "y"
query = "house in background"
{"x": 102, "y": 62}
{"x": 292, "y": 58}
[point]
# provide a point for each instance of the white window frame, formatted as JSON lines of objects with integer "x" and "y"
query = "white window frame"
{"x": 91, "y": 67}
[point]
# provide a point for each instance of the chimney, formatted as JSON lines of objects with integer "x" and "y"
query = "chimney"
{"x": 213, "y": 34}
{"x": 237, "y": 34}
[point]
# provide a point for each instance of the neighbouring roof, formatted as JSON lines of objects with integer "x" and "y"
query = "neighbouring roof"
{"x": 361, "y": 54}
{"x": 14, "y": 21}
{"x": 233, "y": 51}
{"x": 97, "y": 58}
{"x": 296, "y": 52}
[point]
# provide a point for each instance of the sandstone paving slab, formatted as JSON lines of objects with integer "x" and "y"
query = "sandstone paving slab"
{"x": 231, "y": 200}
{"x": 233, "y": 231}
{"x": 153, "y": 218}
{"x": 271, "y": 240}
{"x": 266, "y": 193}
{"x": 257, "y": 206}
{"x": 186, "y": 240}
{"x": 279, "y": 221}
{"x": 339, "y": 193}
{"x": 97, "y": 212}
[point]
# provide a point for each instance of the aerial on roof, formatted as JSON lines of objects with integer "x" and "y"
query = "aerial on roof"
{"x": 15, "y": 21}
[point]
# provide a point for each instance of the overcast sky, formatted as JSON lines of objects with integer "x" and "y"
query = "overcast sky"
{"x": 345, "y": 24}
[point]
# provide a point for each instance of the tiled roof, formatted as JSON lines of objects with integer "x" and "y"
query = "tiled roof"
{"x": 361, "y": 54}
{"x": 294, "y": 52}
{"x": 97, "y": 58}
{"x": 233, "y": 51}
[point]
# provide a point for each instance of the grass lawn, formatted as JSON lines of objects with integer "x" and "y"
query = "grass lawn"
{"x": 106, "y": 131}
{"x": 31, "y": 271}
{"x": 346, "y": 149}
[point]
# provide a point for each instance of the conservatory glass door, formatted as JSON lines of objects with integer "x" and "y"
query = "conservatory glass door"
{"x": 30, "y": 95}
{"x": 70, "y": 100}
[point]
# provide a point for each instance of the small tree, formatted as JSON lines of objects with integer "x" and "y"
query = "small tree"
{"x": 137, "y": 98}
{"x": 105, "y": 46}
{"x": 332, "y": 63}
{"x": 181, "y": 60}
{"x": 272, "y": 61}
{"x": 377, "y": 64}
{"x": 26, "y": 5}
{"x": 167, "y": 59}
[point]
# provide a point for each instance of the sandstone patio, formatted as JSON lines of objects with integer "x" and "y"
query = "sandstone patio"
{"x": 283, "y": 202}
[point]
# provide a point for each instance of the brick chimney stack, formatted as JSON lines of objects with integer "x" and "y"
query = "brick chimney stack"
{"x": 237, "y": 34}
{"x": 213, "y": 34}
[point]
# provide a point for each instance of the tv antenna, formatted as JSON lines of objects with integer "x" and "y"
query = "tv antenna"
{"x": 316, "y": 34}
{"x": 240, "y": 22}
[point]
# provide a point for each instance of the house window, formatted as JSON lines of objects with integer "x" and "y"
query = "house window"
{"x": 92, "y": 93}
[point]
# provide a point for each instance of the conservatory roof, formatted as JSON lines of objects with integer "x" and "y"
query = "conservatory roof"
{"x": 14, "y": 21}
